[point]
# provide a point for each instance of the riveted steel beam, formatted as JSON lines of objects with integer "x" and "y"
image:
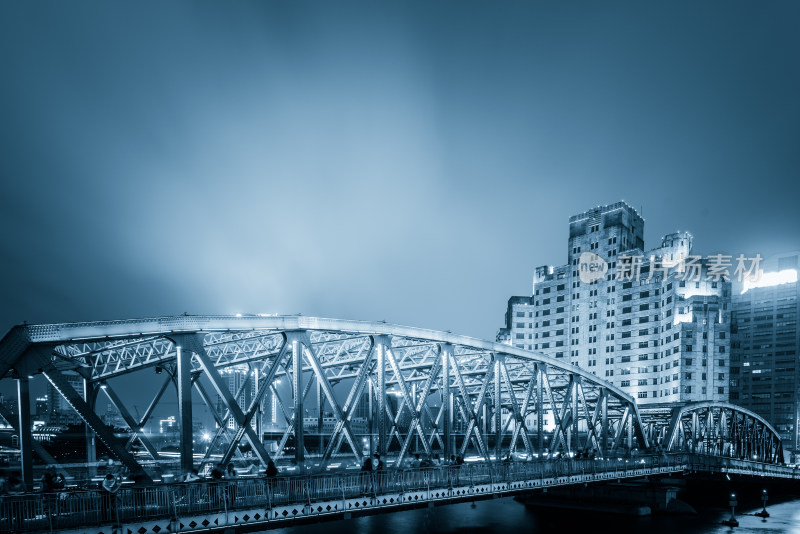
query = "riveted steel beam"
{"x": 25, "y": 431}
{"x": 91, "y": 419}
{"x": 136, "y": 430}
{"x": 184, "y": 383}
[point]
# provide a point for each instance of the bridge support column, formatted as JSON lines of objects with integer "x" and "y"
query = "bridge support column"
{"x": 371, "y": 415}
{"x": 447, "y": 402}
{"x": 25, "y": 433}
{"x": 297, "y": 377}
{"x": 260, "y": 408}
{"x": 540, "y": 375}
{"x": 381, "y": 408}
{"x": 320, "y": 414}
{"x": 90, "y": 398}
{"x": 414, "y": 400}
{"x": 485, "y": 423}
{"x": 498, "y": 404}
{"x": 574, "y": 436}
{"x": 184, "y": 383}
{"x": 631, "y": 417}
{"x": 604, "y": 424}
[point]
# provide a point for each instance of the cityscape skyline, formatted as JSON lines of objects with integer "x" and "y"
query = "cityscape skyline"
{"x": 207, "y": 423}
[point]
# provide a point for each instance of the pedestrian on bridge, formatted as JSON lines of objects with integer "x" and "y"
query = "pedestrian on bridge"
{"x": 272, "y": 470}
{"x": 110, "y": 486}
{"x": 192, "y": 476}
{"x": 366, "y": 475}
{"x": 52, "y": 484}
{"x": 14, "y": 483}
{"x": 231, "y": 476}
{"x": 271, "y": 473}
{"x": 377, "y": 471}
{"x": 217, "y": 474}
{"x": 455, "y": 466}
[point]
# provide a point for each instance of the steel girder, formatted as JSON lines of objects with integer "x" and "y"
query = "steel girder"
{"x": 714, "y": 428}
{"x": 430, "y": 391}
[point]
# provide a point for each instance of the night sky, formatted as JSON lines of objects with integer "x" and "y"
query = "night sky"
{"x": 409, "y": 162}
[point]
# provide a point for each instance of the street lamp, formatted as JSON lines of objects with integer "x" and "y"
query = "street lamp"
{"x": 732, "y": 522}
{"x": 763, "y": 513}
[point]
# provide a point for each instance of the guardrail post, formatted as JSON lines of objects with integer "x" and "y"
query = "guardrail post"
{"x": 173, "y": 522}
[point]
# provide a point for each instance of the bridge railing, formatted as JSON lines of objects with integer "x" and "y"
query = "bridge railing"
{"x": 707, "y": 462}
{"x": 56, "y": 511}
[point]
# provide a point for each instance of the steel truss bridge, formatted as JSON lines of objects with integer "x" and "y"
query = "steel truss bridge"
{"x": 423, "y": 391}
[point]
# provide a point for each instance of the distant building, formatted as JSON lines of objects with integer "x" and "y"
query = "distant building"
{"x": 236, "y": 376}
{"x": 764, "y": 348}
{"x": 361, "y": 409}
{"x": 10, "y": 404}
{"x": 42, "y": 407}
{"x": 59, "y": 411}
{"x": 648, "y": 321}
{"x": 310, "y": 425}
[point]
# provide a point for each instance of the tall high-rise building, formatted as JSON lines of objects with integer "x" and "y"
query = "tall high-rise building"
{"x": 58, "y": 409}
{"x": 656, "y": 323}
{"x": 764, "y": 346}
{"x": 236, "y": 376}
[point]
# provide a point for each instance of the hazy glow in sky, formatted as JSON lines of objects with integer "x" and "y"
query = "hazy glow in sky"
{"x": 410, "y": 161}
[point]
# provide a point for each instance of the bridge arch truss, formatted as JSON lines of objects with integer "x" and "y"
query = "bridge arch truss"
{"x": 713, "y": 428}
{"x": 423, "y": 390}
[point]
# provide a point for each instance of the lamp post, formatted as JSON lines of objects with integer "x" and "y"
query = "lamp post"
{"x": 763, "y": 513}
{"x": 732, "y": 522}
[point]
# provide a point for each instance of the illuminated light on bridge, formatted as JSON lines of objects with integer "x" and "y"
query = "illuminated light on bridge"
{"x": 786, "y": 276}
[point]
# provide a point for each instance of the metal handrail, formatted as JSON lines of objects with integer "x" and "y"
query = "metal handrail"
{"x": 42, "y": 512}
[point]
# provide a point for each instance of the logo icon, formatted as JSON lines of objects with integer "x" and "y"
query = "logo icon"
{"x": 591, "y": 267}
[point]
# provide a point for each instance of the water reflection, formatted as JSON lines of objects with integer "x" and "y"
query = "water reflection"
{"x": 508, "y": 517}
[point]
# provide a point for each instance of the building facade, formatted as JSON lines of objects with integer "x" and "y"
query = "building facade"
{"x": 246, "y": 382}
{"x": 765, "y": 340}
{"x": 656, "y": 323}
{"x": 59, "y": 411}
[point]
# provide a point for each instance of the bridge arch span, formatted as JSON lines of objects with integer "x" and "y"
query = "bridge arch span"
{"x": 713, "y": 428}
{"x": 377, "y": 387}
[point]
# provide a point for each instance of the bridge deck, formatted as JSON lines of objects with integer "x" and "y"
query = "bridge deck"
{"x": 206, "y": 506}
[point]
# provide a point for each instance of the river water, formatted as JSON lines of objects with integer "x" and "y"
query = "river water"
{"x": 508, "y": 516}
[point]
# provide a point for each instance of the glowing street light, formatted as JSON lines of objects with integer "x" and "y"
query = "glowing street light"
{"x": 732, "y": 522}
{"x": 763, "y": 513}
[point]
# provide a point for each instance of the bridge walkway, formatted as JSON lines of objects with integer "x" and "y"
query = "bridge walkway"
{"x": 270, "y": 503}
